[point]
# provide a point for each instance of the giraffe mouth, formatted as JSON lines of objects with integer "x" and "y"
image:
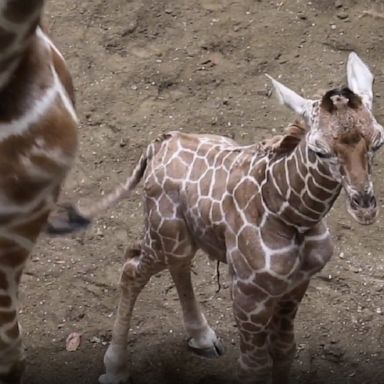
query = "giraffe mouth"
{"x": 364, "y": 214}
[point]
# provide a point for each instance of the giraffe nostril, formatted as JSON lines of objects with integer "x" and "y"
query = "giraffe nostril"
{"x": 365, "y": 200}
{"x": 355, "y": 202}
{"x": 372, "y": 201}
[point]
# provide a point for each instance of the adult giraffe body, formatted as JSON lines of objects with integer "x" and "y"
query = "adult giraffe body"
{"x": 260, "y": 211}
{"x": 37, "y": 145}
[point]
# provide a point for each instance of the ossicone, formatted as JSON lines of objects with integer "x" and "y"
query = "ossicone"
{"x": 340, "y": 97}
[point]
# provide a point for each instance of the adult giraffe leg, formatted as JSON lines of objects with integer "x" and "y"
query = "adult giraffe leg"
{"x": 203, "y": 339}
{"x": 16, "y": 243}
{"x": 141, "y": 264}
{"x": 281, "y": 337}
{"x": 253, "y": 310}
{"x": 11, "y": 348}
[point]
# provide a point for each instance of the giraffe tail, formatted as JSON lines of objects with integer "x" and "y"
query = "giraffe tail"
{"x": 69, "y": 218}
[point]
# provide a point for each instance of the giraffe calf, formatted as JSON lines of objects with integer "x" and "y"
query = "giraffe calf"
{"x": 259, "y": 208}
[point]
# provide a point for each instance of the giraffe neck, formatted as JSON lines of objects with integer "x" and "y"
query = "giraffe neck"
{"x": 300, "y": 187}
{"x": 18, "y": 22}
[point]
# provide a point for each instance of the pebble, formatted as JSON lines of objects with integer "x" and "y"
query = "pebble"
{"x": 333, "y": 353}
{"x": 130, "y": 28}
{"x": 342, "y": 15}
{"x": 339, "y": 3}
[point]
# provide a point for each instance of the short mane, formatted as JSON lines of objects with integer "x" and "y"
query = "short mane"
{"x": 286, "y": 143}
{"x": 327, "y": 103}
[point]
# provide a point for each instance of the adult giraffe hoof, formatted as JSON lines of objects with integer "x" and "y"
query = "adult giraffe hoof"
{"x": 108, "y": 378}
{"x": 213, "y": 352}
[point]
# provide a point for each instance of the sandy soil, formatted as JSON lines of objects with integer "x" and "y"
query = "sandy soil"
{"x": 149, "y": 66}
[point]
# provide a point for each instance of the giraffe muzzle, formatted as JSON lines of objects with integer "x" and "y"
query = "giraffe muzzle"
{"x": 363, "y": 207}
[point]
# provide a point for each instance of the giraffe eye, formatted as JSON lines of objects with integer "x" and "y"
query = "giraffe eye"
{"x": 323, "y": 155}
{"x": 376, "y": 147}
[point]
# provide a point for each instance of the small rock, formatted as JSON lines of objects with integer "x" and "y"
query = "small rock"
{"x": 72, "y": 343}
{"x": 123, "y": 142}
{"x": 366, "y": 316}
{"x": 130, "y": 28}
{"x": 333, "y": 353}
{"x": 342, "y": 15}
{"x": 277, "y": 56}
{"x": 339, "y": 3}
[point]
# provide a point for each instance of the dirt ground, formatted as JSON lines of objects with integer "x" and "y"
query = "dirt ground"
{"x": 142, "y": 67}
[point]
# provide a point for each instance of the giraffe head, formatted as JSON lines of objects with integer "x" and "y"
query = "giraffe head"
{"x": 344, "y": 135}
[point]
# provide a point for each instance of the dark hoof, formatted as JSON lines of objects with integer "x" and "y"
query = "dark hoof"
{"x": 218, "y": 380}
{"x": 15, "y": 375}
{"x": 66, "y": 220}
{"x": 113, "y": 379}
{"x": 213, "y": 352}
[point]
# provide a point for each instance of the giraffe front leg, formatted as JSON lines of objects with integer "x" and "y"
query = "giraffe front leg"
{"x": 281, "y": 335}
{"x": 16, "y": 243}
{"x": 253, "y": 310}
{"x": 137, "y": 270}
{"x": 12, "y": 358}
{"x": 203, "y": 340}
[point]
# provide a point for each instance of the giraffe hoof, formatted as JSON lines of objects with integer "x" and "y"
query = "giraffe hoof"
{"x": 114, "y": 379}
{"x": 213, "y": 352}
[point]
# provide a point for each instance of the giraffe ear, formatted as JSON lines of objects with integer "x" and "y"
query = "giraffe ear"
{"x": 360, "y": 78}
{"x": 290, "y": 98}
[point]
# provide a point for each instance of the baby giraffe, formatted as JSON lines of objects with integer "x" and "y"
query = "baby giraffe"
{"x": 258, "y": 209}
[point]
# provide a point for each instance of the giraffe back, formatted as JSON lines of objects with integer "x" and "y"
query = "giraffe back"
{"x": 194, "y": 178}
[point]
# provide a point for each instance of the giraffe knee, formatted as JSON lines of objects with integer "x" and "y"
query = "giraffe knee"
{"x": 132, "y": 252}
{"x": 323, "y": 253}
{"x": 317, "y": 254}
{"x": 129, "y": 273}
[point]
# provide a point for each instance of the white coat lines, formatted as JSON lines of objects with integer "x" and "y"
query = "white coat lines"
{"x": 39, "y": 108}
{"x": 21, "y": 241}
{"x": 21, "y": 124}
{"x": 40, "y": 33}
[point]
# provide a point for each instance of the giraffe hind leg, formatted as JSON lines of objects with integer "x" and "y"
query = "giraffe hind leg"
{"x": 140, "y": 265}
{"x": 202, "y": 338}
